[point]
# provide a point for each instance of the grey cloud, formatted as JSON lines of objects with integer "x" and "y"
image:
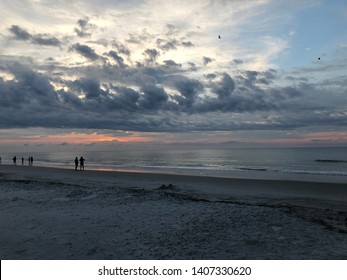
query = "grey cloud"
{"x": 294, "y": 79}
{"x": 84, "y": 27}
{"x": 193, "y": 66}
{"x": 117, "y": 58}
{"x": 237, "y": 61}
{"x": 167, "y": 45}
{"x": 126, "y": 98}
{"x": 251, "y": 78}
{"x": 172, "y": 44}
{"x": 225, "y": 87}
{"x": 206, "y": 60}
{"x": 101, "y": 42}
{"x": 134, "y": 39}
{"x": 153, "y": 97}
{"x": 139, "y": 38}
{"x": 189, "y": 90}
{"x": 172, "y": 30}
{"x": 121, "y": 48}
{"x": 171, "y": 63}
{"x": 151, "y": 55}
{"x": 38, "y": 39}
{"x": 85, "y": 51}
{"x": 187, "y": 44}
{"x": 20, "y": 33}
{"x": 90, "y": 87}
{"x": 42, "y": 40}
{"x": 211, "y": 76}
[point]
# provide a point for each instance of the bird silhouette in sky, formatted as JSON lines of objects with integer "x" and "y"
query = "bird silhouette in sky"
{"x": 219, "y": 37}
{"x": 318, "y": 58}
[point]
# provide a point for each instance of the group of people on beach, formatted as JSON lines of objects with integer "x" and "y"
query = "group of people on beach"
{"x": 30, "y": 160}
{"x": 81, "y": 161}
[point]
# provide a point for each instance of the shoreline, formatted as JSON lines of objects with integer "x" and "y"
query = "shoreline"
{"x": 222, "y": 187}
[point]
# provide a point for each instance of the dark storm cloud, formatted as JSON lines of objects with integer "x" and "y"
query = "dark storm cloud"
{"x": 153, "y": 97}
{"x": 126, "y": 99}
{"x": 189, "y": 90}
{"x": 26, "y": 100}
{"x": 85, "y": 51}
{"x": 38, "y": 39}
{"x": 225, "y": 87}
{"x": 90, "y": 87}
{"x": 157, "y": 98}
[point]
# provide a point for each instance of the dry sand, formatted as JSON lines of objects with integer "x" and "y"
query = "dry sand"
{"x": 48, "y": 213}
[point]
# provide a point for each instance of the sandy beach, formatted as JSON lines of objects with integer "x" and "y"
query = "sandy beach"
{"x": 49, "y": 213}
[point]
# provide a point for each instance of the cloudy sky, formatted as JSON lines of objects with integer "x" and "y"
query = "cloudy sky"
{"x": 153, "y": 71}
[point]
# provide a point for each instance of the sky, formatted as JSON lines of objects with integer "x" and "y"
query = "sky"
{"x": 111, "y": 73}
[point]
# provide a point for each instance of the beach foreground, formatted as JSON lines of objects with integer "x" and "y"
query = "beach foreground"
{"x": 49, "y": 213}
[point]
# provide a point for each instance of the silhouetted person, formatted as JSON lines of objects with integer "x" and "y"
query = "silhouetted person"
{"x": 76, "y": 163}
{"x": 14, "y": 160}
{"x": 82, "y": 163}
{"x": 31, "y": 159}
{"x": 22, "y": 161}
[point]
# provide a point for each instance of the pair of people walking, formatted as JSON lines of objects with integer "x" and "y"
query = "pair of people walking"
{"x": 81, "y": 162}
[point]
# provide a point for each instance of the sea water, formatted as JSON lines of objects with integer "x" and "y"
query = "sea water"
{"x": 202, "y": 161}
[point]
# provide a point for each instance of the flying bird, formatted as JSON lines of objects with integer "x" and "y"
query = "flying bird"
{"x": 219, "y": 37}
{"x": 318, "y": 58}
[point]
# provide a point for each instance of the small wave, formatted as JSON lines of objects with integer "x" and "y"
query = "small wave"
{"x": 186, "y": 167}
{"x": 331, "y": 161}
{"x": 313, "y": 172}
{"x": 252, "y": 169}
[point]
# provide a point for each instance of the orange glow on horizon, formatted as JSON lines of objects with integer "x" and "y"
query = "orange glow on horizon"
{"x": 76, "y": 138}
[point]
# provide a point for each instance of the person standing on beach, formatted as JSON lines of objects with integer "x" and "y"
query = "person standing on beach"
{"x": 82, "y": 163}
{"x": 22, "y": 161}
{"x": 14, "y": 160}
{"x": 76, "y": 163}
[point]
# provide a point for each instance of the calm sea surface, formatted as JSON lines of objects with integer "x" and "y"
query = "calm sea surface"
{"x": 221, "y": 162}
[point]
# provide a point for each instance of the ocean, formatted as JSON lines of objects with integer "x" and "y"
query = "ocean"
{"x": 198, "y": 161}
